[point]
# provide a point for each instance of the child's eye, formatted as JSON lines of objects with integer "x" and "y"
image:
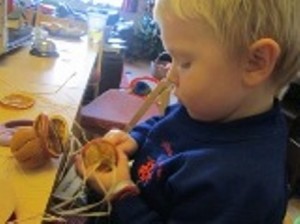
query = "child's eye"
{"x": 186, "y": 65}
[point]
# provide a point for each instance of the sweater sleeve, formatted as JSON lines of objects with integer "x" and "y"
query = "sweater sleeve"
{"x": 134, "y": 210}
{"x": 209, "y": 195}
{"x": 208, "y": 180}
{"x": 141, "y": 131}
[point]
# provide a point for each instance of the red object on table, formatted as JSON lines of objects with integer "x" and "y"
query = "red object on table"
{"x": 114, "y": 109}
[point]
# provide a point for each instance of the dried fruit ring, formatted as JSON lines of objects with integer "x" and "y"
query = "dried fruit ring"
{"x": 53, "y": 133}
{"x": 57, "y": 136}
{"x": 101, "y": 153}
{"x": 61, "y": 127}
{"x": 17, "y": 101}
{"x": 41, "y": 126}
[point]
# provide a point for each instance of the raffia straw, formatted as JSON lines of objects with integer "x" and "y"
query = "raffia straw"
{"x": 74, "y": 145}
{"x": 78, "y": 212}
{"x": 81, "y": 211}
{"x": 162, "y": 86}
{"x": 41, "y": 217}
{"x": 58, "y": 209}
{"x": 82, "y": 132}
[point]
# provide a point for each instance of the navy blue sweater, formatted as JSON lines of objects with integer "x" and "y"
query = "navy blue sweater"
{"x": 201, "y": 172}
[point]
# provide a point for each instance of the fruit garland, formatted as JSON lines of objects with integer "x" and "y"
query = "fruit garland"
{"x": 47, "y": 138}
{"x": 33, "y": 146}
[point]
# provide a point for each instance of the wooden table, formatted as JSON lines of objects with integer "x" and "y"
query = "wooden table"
{"x": 57, "y": 84}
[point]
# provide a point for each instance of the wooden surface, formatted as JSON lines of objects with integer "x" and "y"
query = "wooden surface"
{"x": 57, "y": 85}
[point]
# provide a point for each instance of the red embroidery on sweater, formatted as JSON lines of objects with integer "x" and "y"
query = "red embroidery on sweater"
{"x": 145, "y": 171}
{"x": 167, "y": 148}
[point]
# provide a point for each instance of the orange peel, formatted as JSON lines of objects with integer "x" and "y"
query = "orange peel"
{"x": 27, "y": 148}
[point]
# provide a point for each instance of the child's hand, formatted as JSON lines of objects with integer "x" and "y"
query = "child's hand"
{"x": 115, "y": 180}
{"x": 122, "y": 141}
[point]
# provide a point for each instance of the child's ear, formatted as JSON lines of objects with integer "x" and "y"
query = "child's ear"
{"x": 261, "y": 60}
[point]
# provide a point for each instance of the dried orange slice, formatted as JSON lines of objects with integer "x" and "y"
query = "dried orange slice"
{"x": 17, "y": 101}
{"x": 61, "y": 126}
{"x": 41, "y": 126}
{"x": 99, "y": 152}
{"x": 58, "y": 134}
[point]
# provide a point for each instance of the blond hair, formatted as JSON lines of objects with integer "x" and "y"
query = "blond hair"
{"x": 239, "y": 23}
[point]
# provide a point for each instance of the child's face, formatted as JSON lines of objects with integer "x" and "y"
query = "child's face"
{"x": 208, "y": 83}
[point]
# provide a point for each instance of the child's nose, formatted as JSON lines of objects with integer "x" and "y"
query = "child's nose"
{"x": 172, "y": 75}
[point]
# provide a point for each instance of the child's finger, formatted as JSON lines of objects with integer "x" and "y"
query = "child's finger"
{"x": 79, "y": 166}
{"x": 127, "y": 147}
{"x": 115, "y": 136}
{"x": 123, "y": 159}
{"x": 81, "y": 171}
